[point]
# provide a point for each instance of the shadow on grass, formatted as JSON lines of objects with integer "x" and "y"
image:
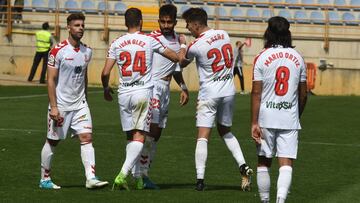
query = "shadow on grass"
{"x": 191, "y": 186}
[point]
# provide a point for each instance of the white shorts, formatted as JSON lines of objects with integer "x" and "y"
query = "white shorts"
{"x": 219, "y": 108}
{"x": 282, "y": 143}
{"x": 79, "y": 121}
{"x": 160, "y": 102}
{"x": 135, "y": 110}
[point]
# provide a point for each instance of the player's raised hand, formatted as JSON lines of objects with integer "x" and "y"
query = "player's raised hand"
{"x": 182, "y": 39}
{"x": 184, "y": 97}
{"x": 256, "y": 133}
{"x": 108, "y": 94}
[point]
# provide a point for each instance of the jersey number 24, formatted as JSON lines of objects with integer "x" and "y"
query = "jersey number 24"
{"x": 138, "y": 65}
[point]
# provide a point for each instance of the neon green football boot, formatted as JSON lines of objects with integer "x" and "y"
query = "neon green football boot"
{"x": 139, "y": 184}
{"x": 120, "y": 182}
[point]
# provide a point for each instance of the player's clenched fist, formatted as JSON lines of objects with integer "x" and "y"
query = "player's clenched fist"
{"x": 107, "y": 93}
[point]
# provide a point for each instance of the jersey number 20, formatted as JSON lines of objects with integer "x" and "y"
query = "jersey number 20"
{"x": 282, "y": 78}
{"x": 138, "y": 66}
{"x": 226, "y": 53}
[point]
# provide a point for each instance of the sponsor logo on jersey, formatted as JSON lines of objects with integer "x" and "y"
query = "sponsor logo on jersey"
{"x": 228, "y": 76}
{"x": 281, "y": 105}
{"x": 86, "y": 58}
{"x": 132, "y": 84}
{"x": 69, "y": 59}
{"x": 78, "y": 69}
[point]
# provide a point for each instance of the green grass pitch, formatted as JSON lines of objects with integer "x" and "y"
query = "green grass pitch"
{"x": 327, "y": 169}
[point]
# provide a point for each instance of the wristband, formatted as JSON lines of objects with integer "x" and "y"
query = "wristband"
{"x": 183, "y": 46}
{"x": 183, "y": 87}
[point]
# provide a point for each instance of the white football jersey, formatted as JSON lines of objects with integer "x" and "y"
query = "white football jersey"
{"x": 214, "y": 61}
{"x": 133, "y": 53}
{"x": 72, "y": 65}
{"x": 280, "y": 70}
{"x": 161, "y": 66}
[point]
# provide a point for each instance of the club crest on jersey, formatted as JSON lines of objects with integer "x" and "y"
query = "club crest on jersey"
{"x": 78, "y": 69}
{"x": 51, "y": 60}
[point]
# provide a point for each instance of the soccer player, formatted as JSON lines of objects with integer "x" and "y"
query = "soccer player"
{"x": 214, "y": 60}
{"x": 278, "y": 100}
{"x": 133, "y": 53}
{"x": 68, "y": 108}
{"x": 163, "y": 70}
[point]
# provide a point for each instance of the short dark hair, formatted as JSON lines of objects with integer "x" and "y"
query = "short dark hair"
{"x": 277, "y": 33}
{"x": 133, "y": 16}
{"x": 168, "y": 10}
{"x": 195, "y": 15}
{"x": 45, "y": 26}
{"x": 75, "y": 16}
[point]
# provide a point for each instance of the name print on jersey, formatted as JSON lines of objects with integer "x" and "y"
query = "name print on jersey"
{"x": 279, "y": 55}
{"x": 132, "y": 41}
{"x": 215, "y": 38}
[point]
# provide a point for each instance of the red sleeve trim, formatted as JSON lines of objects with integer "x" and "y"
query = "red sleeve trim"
{"x": 57, "y": 48}
{"x": 255, "y": 60}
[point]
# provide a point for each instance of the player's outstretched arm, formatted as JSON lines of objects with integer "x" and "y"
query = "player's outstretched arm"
{"x": 171, "y": 55}
{"x": 302, "y": 89}
{"x": 184, "y": 94}
{"x": 255, "y": 108}
{"x": 105, "y": 76}
{"x": 52, "y": 76}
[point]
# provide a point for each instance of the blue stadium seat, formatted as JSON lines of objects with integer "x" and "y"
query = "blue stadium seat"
{"x": 39, "y": 6}
{"x": 253, "y": 15}
{"x": 325, "y": 4}
{"x": 334, "y": 18}
{"x": 52, "y": 5}
{"x": 349, "y": 19}
{"x": 182, "y": 9}
{"x": 245, "y": 3}
{"x": 292, "y": 4}
{"x": 301, "y": 17}
{"x": 102, "y": 7}
{"x": 88, "y": 6}
{"x": 237, "y": 14}
{"x": 261, "y": 3}
{"x": 317, "y": 17}
{"x": 286, "y": 14}
{"x": 222, "y": 13}
{"x": 266, "y": 14}
{"x": 197, "y": 2}
{"x": 209, "y": 11}
{"x": 277, "y": 3}
{"x": 120, "y": 8}
{"x": 72, "y": 6}
{"x": 309, "y": 4}
{"x": 27, "y": 5}
{"x": 355, "y": 3}
{"x": 340, "y": 4}
{"x": 180, "y": 1}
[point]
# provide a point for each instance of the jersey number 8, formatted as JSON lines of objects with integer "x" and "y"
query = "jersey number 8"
{"x": 226, "y": 53}
{"x": 282, "y": 78}
{"x": 138, "y": 66}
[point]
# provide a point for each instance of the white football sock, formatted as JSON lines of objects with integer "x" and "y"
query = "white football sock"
{"x": 47, "y": 153}
{"x": 234, "y": 147}
{"x": 200, "y": 157}
{"x": 133, "y": 150}
{"x": 88, "y": 159}
{"x": 145, "y": 157}
{"x": 283, "y": 183}
{"x": 263, "y": 182}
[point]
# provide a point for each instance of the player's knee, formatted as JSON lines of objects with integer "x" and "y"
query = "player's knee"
{"x": 53, "y": 142}
{"x": 264, "y": 162}
{"x": 222, "y": 130}
{"x": 85, "y": 138}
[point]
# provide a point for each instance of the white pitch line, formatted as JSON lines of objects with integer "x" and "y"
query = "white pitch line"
{"x": 36, "y": 95}
{"x": 176, "y": 137}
